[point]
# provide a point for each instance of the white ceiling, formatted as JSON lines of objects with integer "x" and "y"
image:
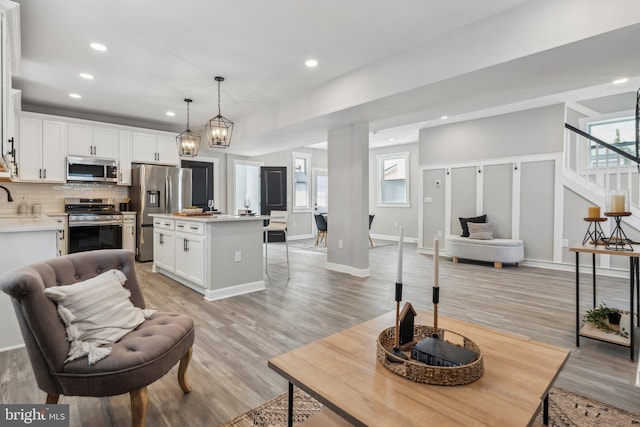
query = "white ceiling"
{"x": 399, "y": 66}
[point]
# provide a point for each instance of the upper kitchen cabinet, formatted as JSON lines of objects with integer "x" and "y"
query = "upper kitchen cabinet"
{"x": 9, "y": 66}
{"x": 92, "y": 141}
{"x": 154, "y": 148}
{"x": 41, "y": 150}
{"x": 124, "y": 157}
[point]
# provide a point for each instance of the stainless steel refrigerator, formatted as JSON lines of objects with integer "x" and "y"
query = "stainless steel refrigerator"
{"x": 156, "y": 189}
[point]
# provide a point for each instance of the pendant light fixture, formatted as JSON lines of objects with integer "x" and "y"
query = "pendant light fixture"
{"x": 219, "y": 128}
{"x": 188, "y": 141}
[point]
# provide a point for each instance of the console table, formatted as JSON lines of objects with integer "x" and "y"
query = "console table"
{"x": 343, "y": 372}
{"x": 590, "y": 331}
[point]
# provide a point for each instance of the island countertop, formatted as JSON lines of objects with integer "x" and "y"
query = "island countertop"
{"x": 211, "y": 218}
{"x": 22, "y": 223}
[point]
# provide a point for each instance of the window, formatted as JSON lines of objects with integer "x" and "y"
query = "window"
{"x": 393, "y": 180}
{"x": 619, "y": 132}
{"x": 301, "y": 181}
{"x": 321, "y": 192}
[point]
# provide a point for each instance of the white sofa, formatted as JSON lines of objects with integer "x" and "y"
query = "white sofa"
{"x": 497, "y": 251}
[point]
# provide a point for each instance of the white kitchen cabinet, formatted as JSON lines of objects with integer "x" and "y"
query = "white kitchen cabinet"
{"x": 129, "y": 232}
{"x": 92, "y": 141}
{"x": 41, "y": 150}
{"x": 189, "y": 251}
{"x": 164, "y": 244}
{"x": 153, "y": 148}
{"x": 124, "y": 157}
{"x": 63, "y": 220}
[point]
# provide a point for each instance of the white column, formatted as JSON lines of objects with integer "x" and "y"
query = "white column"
{"x": 348, "y": 219}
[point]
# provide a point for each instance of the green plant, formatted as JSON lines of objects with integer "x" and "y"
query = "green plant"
{"x": 599, "y": 315}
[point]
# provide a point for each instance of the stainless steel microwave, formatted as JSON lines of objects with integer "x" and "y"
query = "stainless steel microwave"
{"x": 91, "y": 169}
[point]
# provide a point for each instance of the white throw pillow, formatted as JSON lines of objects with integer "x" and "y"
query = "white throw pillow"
{"x": 481, "y": 231}
{"x": 96, "y": 312}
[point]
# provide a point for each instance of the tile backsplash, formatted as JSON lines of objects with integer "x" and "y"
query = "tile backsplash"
{"x": 51, "y": 196}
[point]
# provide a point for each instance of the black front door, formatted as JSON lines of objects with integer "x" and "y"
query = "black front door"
{"x": 201, "y": 182}
{"x": 273, "y": 194}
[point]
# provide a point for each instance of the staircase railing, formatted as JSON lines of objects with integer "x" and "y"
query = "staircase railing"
{"x": 598, "y": 165}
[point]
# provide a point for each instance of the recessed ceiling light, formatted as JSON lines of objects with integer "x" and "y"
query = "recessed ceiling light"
{"x": 444, "y": 117}
{"x": 311, "y": 63}
{"x": 391, "y": 139}
{"x": 98, "y": 46}
{"x": 75, "y": 96}
{"x": 87, "y": 76}
{"x": 170, "y": 113}
{"x": 620, "y": 81}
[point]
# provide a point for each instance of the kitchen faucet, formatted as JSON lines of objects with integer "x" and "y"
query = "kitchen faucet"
{"x": 9, "y": 198}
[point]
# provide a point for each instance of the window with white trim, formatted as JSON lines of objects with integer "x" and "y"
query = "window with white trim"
{"x": 301, "y": 181}
{"x": 619, "y": 132}
{"x": 393, "y": 180}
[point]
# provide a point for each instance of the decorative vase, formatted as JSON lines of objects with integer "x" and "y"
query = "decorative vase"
{"x": 614, "y": 318}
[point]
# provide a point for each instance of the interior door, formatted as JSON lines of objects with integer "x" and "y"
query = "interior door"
{"x": 201, "y": 182}
{"x": 273, "y": 194}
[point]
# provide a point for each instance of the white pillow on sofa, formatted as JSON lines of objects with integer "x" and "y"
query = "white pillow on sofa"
{"x": 480, "y": 231}
{"x": 96, "y": 311}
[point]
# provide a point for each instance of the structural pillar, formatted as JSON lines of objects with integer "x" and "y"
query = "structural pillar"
{"x": 348, "y": 220}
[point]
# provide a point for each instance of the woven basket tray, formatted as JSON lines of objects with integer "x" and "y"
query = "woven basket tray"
{"x": 423, "y": 373}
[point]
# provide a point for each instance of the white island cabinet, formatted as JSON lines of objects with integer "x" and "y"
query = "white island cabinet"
{"x": 219, "y": 256}
{"x": 25, "y": 240}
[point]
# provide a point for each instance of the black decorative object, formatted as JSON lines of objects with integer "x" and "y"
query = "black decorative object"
{"x": 398, "y": 355}
{"x": 594, "y": 233}
{"x": 407, "y": 320}
{"x": 618, "y": 240}
{"x": 438, "y": 352}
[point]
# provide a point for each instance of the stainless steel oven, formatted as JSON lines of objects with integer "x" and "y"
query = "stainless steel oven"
{"x": 93, "y": 224}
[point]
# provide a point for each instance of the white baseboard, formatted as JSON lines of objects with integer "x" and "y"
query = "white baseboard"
{"x": 13, "y": 347}
{"x": 341, "y": 268}
{"x": 232, "y": 291}
{"x": 394, "y": 238}
{"x": 550, "y": 265}
{"x": 301, "y": 237}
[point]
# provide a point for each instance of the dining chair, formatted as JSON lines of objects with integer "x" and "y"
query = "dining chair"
{"x": 321, "y": 225}
{"x": 370, "y": 221}
{"x": 277, "y": 222}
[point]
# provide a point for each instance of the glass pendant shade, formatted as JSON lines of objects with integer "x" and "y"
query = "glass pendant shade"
{"x": 219, "y": 129}
{"x": 188, "y": 141}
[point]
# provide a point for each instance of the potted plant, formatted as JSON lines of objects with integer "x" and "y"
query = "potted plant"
{"x": 603, "y": 317}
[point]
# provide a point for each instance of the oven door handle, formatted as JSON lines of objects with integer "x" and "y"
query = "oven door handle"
{"x": 88, "y": 223}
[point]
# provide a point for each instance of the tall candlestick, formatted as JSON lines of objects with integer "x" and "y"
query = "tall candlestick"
{"x": 399, "y": 273}
{"x": 436, "y": 255}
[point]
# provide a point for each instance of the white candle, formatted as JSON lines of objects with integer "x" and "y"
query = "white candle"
{"x": 436, "y": 252}
{"x": 399, "y": 273}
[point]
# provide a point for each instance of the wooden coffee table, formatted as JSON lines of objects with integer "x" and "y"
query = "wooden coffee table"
{"x": 343, "y": 373}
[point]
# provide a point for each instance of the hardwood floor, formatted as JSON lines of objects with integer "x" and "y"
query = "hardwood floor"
{"x": 235, "y": 337}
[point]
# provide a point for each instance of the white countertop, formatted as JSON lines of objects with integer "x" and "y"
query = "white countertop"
{"x": 212, "y": 218}
{"x": 27, "y": 222}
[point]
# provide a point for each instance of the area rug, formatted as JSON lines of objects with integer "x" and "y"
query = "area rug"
{"x": 566, "y": 409}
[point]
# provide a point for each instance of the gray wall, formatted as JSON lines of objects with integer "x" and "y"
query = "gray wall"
{"x": 388, "y": 219}
{"x": 536, "y": 209}
{"x": 461, "y": 148}
{"x": 516, "y": 134}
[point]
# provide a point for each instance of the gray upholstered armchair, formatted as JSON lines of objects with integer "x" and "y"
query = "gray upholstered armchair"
{"x": 137, "y": 360}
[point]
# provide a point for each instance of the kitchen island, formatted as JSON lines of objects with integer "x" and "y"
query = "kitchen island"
{"x": 219, "y": 255}
{"x": 24, "y": 239}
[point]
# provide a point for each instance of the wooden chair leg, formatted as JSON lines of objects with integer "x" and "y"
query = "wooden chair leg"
{"x": 317, "y": 237}
{"x": 370, "y": 241}
{"x": 139, "y": 405}
{"x": 52, "y": 399}
{"x": 455, "y": 259}
{"x": 182, "y": 371}
{"x": 497, "y": 265}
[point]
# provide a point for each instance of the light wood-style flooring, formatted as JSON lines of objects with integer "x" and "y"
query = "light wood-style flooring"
{"x": 235, "y": 337}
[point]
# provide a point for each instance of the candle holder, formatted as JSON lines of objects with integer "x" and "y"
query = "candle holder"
{"x": 618, "y": 240}
{"x": 594, "y": 233}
